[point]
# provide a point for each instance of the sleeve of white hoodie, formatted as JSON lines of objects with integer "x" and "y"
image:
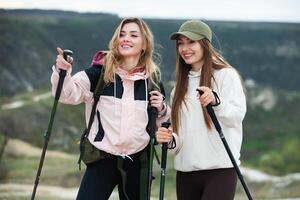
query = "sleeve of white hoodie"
{"x": 232, "y": 108}
{"x": 178, "y": 139}
{"x": 75, "y": 90}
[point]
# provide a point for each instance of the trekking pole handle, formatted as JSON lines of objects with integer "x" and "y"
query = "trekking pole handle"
{"x": 62, "y": 74}
{"x": 166, "y": 124}
{"x": 211, "y": 113}
{"x": 66, "y": 53}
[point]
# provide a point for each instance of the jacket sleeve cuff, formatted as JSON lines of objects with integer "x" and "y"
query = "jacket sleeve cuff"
{"x": 56, "y": 69}
{"x": 163, "y": 112}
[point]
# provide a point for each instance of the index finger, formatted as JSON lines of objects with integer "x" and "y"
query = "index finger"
{"x": 155, "y": 92}
{"x": 59, "y": 51}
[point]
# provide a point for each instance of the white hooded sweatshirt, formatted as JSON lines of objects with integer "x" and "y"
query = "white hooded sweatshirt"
{"x": 197, "y": 147}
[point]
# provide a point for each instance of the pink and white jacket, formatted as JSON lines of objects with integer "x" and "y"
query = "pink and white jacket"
{"x": 119, "y": 126}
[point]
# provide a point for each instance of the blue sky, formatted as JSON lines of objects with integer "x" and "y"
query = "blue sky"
{"x": 237, "y": 10}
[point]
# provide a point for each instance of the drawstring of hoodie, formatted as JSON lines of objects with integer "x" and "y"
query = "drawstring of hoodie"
{"x": 123, "y": 155}
{"x": 146, "y": 91}
{"x": 115, "y": 92}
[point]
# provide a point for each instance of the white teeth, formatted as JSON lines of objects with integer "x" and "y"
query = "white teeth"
{"x": 187, "y": 55}
{"x": 126, "y": 46}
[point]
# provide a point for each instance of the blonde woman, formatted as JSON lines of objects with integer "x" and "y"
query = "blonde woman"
{"x": 204, "y": 170}
{"x": 119, "y": 127}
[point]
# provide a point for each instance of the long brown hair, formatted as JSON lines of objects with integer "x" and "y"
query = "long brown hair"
{"x": 212, "y": 61}
{"x": 114, "y": 59}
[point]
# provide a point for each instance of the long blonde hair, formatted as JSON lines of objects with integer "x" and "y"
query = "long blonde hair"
{"x": 113, "y": 59}
{"x": 212, "y": 61}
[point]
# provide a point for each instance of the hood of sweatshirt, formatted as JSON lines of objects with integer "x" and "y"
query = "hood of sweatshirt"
{"x": 138, "y": 73}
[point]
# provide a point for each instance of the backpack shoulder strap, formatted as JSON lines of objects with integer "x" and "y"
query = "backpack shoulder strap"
{"x": 155, "y": 85}
{"x": 97, "y": 93}
{"x": 100, "y": 86}
{"x": 98, "y": 90}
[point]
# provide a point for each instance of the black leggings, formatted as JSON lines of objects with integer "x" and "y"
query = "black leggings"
{"x": 101, "y": 178}
{"x": 206, "y": 184}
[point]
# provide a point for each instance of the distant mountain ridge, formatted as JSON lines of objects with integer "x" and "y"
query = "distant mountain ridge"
{"x": 268, "y": 53}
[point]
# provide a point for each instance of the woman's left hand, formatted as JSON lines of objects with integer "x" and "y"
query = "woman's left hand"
{"x": 207, "y": 97}
{"x": 157, "y": 100}
{"x": 164, "y": 135}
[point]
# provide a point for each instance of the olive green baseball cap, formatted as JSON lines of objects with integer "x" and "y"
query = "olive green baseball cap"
{"x": 194, "y": 30}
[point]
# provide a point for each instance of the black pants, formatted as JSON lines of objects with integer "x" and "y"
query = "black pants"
{"x": 102, "y": 177}
{"x": 206, "y": 184}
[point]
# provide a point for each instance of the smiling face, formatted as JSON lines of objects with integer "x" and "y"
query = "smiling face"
{"x": 191, "y": 52}
{"x": 130, "y": 40}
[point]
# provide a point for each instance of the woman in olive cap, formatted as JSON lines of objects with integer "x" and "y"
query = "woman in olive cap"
{"x": 204, "y": 170}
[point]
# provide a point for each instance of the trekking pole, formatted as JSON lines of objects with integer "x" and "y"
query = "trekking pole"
{"x": 164, "y": 151}
{"x": 153, "y": 113}
{"x": 217, "y": 125}
{"x": 62, "y": 75}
